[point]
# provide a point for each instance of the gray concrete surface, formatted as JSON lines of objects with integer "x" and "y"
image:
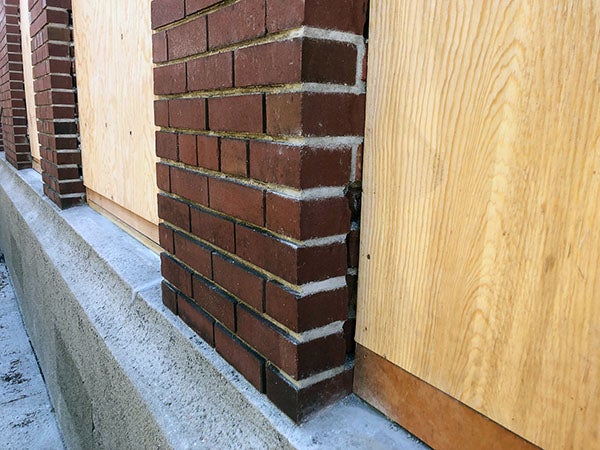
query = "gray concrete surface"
{"x": 121, "y": 369}
{"x": 26, "y": 416}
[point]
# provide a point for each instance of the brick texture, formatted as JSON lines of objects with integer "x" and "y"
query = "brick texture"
{"x": 260, "y": 134}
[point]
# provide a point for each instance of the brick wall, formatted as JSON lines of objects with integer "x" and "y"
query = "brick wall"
{"x": 261, "y": 115}
{"x": 55, "y": 100}
{"x": 14, "y": 139}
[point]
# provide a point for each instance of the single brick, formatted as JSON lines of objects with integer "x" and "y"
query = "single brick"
{"x": 343, "y": 15}
{"x": 169, "y": 79}
{"x": 236, "y": 23}
{"x": 320, "y": 263}
{"x": 165, "y": 235}
{"x": 215, "y": 302}
{"x": 169, "y": 297}
{"x": 326, "y": 61}
{"x": 284, "y": 14}
{"x": 240, "y": 356}
{"x": 305, "y": 313}
{"x": 306, "y": 219}
{"x": 193, "y": 254}
{"x": 161, "y": 113}
{"x": 174, "y": 211}
{"x": 187, "y": 149}
{"x": 176, "y": 274}
{"x": 241, "y": 282}
{"x": 284, "y": 114}
{"x": 208, "y": 152}
{"x": 187, "y": 39}
{"x": 159, "y": 47}
{"x": 165, "y": 11}
{"x": 210, "y": 72}
{"x": 197, "y": 319}
{"x": 163, "y": 178}
{"x": 243, "y": 202}
{"x": 166, "y": 145}
{"x": 234, "y": 156}
{"x": 272, "y": 63}
{"x": 190, "y": 185}
{"x": 213, "y": 229}
{"x": 187, "y": 113}
{"x": 243, "y": 113}
{"x": 300, "y": 403}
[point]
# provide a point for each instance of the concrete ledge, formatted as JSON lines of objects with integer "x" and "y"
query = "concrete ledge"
{"x": 121, "y": 369}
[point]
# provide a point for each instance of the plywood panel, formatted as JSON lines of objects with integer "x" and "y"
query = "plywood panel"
{"x": 480, "y": 253}
{"x": 113, "y": 45}
{"x": 28, "y": 82}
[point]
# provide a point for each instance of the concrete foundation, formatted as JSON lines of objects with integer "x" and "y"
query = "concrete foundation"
{"x": 122, "y": 370}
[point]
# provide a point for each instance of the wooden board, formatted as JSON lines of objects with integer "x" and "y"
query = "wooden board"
{"x": 113, "y": 46}
{"x": 32, "y": 129}
{"x": 480, "y": 248}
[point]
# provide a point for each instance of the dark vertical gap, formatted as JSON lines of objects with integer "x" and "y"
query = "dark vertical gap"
{"x": 206, "y": 110}
{"x": 247, "y": 158}
{"x": 219, "y": 154}
{"x": 264, "y": 112}
{"x": 233, "y": 68}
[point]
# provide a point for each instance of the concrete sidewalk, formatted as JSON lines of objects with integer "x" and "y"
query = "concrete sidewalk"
{"x": 27, "y": 420}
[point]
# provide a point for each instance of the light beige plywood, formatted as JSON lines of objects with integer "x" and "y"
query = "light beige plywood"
{"x": 113, "y": 50}
{"x": 32, "y": 129}
{"x": 480, "y": 248}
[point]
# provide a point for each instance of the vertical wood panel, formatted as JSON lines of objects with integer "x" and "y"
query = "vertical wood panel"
{"x": 32, "y": 129}
{"x": 113, "y": 50}
{"x": 481, "y": 208}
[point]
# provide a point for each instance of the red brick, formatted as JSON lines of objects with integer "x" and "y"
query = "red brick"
{"x": 326, "y": 61}
{"x": 197, "y": 320}
{"x": 210, "y": 72}
{"x": 359, "y": 163}
{"x": 166, "y": 238}
{"x": 213, "y": 229}
{"x": 284, "y": 14}
{"x": 234, "y": 156}
{"x": 242, "y": 283}
{"x": 236, "y": 23}
{"x": 163, "y": 180}
{"x": 243, "y": 113}
{"x": 240, "y": 356}
{"x": 300, "y": 403}
{"x": 284, "y": 114}
{"x": 306, "y": 219}
{"x": 192, "y": 6}
{"x": 343, "y": 15}
{"x": 178, "y": 275}
{"x": 320, "y": 263}
{"x": 165, "y": 11}
{"x": 187, "y": 149}
{"x": 174, "y": 211}
{"x": 189, "y": 185}
{"x": 169, "y": 79}
{"x": 215, "y": 302}
{"x": 208, "y": 152}
{"x": 166, "y": 145}
{"x": 159, "y": 47}
{"x": 161, "y": 113}
{"x": 193, "y": 254}
{"x": 272, "y": 63}
{"x": 187, "y": 39}
{"x": 243, "y": 202}
{"x": 169, "y": 297}
{"x": 188, "y": 113}
{"x": 305, "y": 313}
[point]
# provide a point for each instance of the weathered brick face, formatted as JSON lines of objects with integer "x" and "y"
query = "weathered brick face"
{"x": 13, "y": 113}
{"x": 261, "y": 113}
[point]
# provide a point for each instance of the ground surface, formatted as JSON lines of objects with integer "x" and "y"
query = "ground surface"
{"x": 26, "y": 416}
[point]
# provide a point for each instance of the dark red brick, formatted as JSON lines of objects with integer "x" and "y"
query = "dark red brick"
{"x": 166, "y": 238}
{"x": 189, "y": 185}
{"x": 192, "y": 6}
{"x": 210, "y": 72}
{"x": 187, "y": 39}
{"x": 208, "y": 152}
{"x": 187, "y": 149}
{"x": 326, "y": 61}
{"x": 214, "y": 301}
{"x": 174, "y": 211}
{"x": 169, "y": 297}
{"x": 169, "y": 79}
{"x": 234, "y": 156}
{"x": 240, "y": 356}
{"x": 320, "y": 263}
{"x": 236, "y": 23}
{"x": 241, "y": 282}
{"x": 284, "y": 14}
{"x": 176, "y": 274}
{"x": 272, "y": 63}
{"x": 163, "y": 178}
{"x": 243, "y": 202}
{"x": 243, "y": 113}
{"x": 161, "y": 113}
{"x": 159, "y": 47}
{"x": 187, "y": 113}
{"x": 193, "y": 254}
{"x": 213, "y": 229}
{"x": 165, "y": 11}
{"x": 197, "y": 319}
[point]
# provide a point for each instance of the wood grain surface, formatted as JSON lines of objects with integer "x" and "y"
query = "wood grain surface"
{"x": 113, "y": 46}
{"x": 480, "y": 248}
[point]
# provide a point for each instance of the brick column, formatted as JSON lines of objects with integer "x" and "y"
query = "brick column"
{"x": 14, "y": 139}
{"x": 55, "y": 100}
{"x": 261, "y": 116}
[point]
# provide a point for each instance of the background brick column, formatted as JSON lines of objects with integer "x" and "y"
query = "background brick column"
{"x": 261, "y": 116}
{"x": 14, "y": 139}
{"x": 55, "y": 100}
